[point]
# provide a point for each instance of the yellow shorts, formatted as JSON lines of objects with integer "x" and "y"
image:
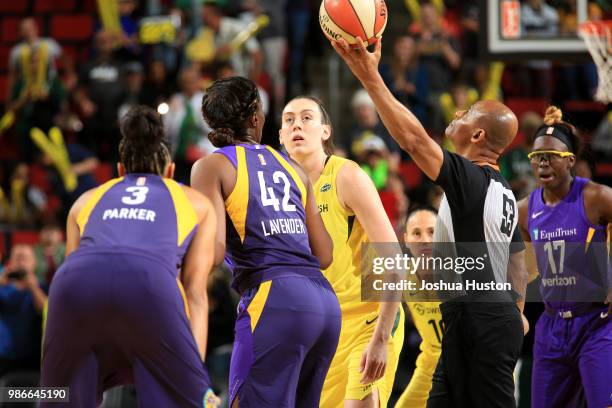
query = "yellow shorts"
{"x": 417, "y": 392}
{"x": 343, "y": 378}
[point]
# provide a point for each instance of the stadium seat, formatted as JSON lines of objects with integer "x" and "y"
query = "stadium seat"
{"x": 603, "y": 169}
{"x": 4, "y": 58}
{"x": 389, "y": 201}
{"x": 103, "y": 172}
{"x": 89, "y": 6}
{"x": 47, "y": 6}
{"x": 10, "y": 29}
{"x": 410, "y": 172}
{"x": 24, "y": 237}
{"x": 72, "y": 27}
{"x": 3, "y": 85}
{"x": 13, "y": 6}
{"x": 39, "y": 177}
{"x": 3, "y": 246}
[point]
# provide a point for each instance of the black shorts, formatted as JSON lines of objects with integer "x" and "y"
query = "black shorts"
{"x": 481, "y": 345}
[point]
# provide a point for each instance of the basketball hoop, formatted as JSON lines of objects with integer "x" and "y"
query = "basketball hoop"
{"x": 598, "y": 38}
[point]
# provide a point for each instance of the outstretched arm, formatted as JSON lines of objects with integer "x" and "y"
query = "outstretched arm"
{"x": 399, "y": 121}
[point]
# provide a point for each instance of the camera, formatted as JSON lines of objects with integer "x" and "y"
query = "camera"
{"x": 19, "y": 274}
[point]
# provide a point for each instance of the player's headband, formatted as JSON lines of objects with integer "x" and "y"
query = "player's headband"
{"x": 557, "y": 132}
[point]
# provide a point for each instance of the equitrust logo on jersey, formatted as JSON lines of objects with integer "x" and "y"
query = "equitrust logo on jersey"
{"x": 543, "y": 235}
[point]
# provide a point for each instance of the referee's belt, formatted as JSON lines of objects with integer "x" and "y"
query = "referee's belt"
{"x": 579, "y": 310}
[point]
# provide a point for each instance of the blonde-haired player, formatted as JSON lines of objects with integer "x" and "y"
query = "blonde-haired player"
{"x": 425, "y": 312}
{"x": 363, "y": 369}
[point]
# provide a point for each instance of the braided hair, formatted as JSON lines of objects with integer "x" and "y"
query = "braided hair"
{"x": 142, "y": 148}
{"x": 227, "y": 106}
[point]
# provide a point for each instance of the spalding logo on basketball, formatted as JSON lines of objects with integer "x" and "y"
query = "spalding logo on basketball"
{"x": 353, "y": 18}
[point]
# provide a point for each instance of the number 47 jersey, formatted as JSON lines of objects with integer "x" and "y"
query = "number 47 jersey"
{"x": 266, "y": 218}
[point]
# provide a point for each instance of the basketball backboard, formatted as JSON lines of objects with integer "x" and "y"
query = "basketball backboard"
{"x": 533, "y": 29}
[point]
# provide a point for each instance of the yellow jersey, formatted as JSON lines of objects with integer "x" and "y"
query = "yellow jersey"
{"x": 348, "y": 235}
{"x": 427, "y": 319}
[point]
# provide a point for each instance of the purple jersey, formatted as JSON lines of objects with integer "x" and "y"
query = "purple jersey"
{"x": 141, "y": 212}
{"x": 571, "y": 256}
{"x": 266, "y": 219}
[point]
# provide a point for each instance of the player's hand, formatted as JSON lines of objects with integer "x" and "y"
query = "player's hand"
{"x": 363, "y": 63}
{"x": 373, "y": 361}
{"x": 525, "y": 324}
{"x": 211, "y": 400}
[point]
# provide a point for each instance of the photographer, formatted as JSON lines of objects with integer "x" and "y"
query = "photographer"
{"x": 21, "y": 303}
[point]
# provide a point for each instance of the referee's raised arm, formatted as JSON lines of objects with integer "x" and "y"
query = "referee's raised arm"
{"x": 403, "y": 126}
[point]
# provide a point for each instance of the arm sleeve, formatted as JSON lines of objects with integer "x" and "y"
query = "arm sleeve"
{"x": 464, "y": 183}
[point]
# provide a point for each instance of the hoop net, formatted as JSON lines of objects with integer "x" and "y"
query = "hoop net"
{"x": 598, "y": 38}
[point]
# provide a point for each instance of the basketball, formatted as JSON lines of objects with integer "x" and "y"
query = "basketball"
{"x": 353, "y": 18}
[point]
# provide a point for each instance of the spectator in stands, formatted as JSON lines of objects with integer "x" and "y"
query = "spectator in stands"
{"x": 367, "y": 121}
{"x": 538, "y": 20}
{"x": 129, "y": 27}
{"x": 439, "y": 54}
{"x": 98, "y": 97}
{"x": 514, "y": 164}
{"x": 373, "y": 157}
{"x": 185, "y": 128}
{"x": 470, "y": 37}
{"x": 459, "y": 97}
{"x": 36, "y": 94}
{"x": 158, "y": 86}
{"x": 273, "y": 40}
{"x": 21, "y": 303}
{"x": 83, "y": 165}
{"x": 298, "y": 16}
{"x": 45, "y": 50}
{"x": 406, "y": 78}
{"x": 133, "y": 91}
{"x": 21, "y": 204}
{"x": 49, "y": 252}
{"x": 246, "y": 61}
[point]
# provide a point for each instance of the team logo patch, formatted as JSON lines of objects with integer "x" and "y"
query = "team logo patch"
{"x": 141, "y": 181}
{"x": 326, "y": 187}
{"x": 210, "y": 399}
{"x": 262, "y": 159}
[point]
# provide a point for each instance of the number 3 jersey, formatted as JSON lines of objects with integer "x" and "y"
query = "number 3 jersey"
{"x": 571, "y": 252}
{"x": 143, "y": 213}
{"x": 266, "y": 218}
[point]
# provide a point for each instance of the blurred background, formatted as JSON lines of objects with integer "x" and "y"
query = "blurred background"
{"x": 72, "y": 68}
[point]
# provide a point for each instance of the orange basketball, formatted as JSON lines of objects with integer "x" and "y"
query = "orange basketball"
{"x": 353, "y": 18}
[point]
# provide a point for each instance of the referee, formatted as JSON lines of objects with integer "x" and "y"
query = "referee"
{"x": 483, "y": 329}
